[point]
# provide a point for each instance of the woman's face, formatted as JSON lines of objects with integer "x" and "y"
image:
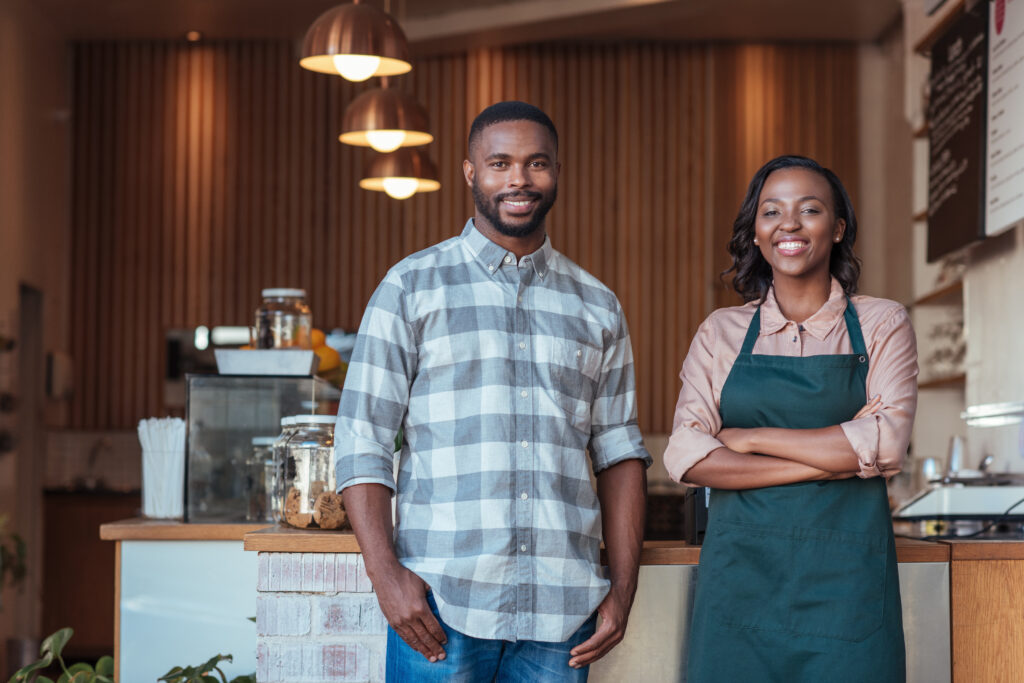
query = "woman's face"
{"x": 796, "y": 224}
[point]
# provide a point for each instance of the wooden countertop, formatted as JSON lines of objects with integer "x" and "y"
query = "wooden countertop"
{"x": 968, "y": 549}
{"x": 140, "y": 529}
{"x": 285, "y": 540}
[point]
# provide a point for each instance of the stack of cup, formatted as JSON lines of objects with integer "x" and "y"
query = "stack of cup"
{"x": 163, "y": 467}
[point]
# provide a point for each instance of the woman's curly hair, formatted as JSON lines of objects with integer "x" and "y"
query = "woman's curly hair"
{"x": 753, "y": 274}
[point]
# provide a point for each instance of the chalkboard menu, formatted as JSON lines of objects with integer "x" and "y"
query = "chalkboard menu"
{"x": 957, "y": 118}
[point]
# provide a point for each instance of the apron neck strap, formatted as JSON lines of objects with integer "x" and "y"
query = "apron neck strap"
{"x": 849, "y": 316}
{"x": 853, "y": 329}
{"x": 752, "y": 331}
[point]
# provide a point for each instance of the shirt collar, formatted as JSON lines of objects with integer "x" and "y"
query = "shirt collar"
{"x": 819, "y": 325}
{"x": 492, "y": 256}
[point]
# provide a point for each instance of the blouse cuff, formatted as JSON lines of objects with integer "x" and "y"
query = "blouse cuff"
{"x": 686, "y": 447}
{"x": 862, "y": 434}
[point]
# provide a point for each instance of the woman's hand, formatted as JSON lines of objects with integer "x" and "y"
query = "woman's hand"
{"x": 742, "y": 440}
{"x": 871, "y": 407}
{"x": 737, "y": 439}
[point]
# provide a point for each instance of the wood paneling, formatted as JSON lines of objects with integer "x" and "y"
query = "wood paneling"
{"x": 771, "y": 100}
{"x": 206, "y": 172}
{"x": 987, "y": 627}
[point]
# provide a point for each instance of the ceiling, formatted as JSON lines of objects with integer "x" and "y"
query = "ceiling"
{"x": 444, "y": 25}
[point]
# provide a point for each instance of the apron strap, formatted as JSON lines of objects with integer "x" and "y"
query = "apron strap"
{"x": 853, "y": 329}
{"x": 752, "y": 331}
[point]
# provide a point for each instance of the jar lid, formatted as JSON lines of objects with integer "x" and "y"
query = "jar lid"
{"x": 280, "y": 292}
{"x": 315, "y": 419}
{"x": 288, "y": 421}
{"x": 263, "y": 440}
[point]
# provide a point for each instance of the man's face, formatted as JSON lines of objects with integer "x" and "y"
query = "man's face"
{"x": 513, "y": 173}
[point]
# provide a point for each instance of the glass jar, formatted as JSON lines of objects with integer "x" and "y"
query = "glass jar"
{"x": 283, "y": 320}
{"x": 260, "y": 495}
{"x": 310, "y": 499}
{"x": 275, "y": 472}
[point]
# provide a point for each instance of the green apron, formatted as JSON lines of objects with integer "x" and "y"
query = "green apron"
{"x": 798, "y": 583}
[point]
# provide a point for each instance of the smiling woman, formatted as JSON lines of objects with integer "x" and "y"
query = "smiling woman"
{"x": 794, "y": 409}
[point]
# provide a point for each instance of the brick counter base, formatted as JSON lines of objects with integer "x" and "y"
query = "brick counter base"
{"x": 317, "y": 620}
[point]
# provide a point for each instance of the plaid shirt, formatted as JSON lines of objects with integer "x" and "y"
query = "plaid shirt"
{"x": 502, "y": 375}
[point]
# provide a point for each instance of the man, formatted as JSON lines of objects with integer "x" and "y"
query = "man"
{"x": 503, "y": 362}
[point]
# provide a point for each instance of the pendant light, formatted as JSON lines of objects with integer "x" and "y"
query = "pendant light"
{"x": 385, "y": 119}
{"x": 357, "y": 41}
{"x": 401, "y": 174}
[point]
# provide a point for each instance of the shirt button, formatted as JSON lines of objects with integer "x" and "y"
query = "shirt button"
{"x": 523, "y": 548}
{"x": 524, "y": 496}
{"x": 522, "y": 345}
{"x": 794, "y": 338}
{"x": 520, "y": 299}
{"x": 523, "y": 393}
{"x": 579, "y": 352}
{"x": 508, "y": 259}
{"x": 523, "y": 444}
{"x": 490, "y": 267}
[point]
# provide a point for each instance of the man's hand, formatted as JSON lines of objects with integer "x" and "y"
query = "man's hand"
{"x": 614, "y": 611}
{"x": 403, "y": 600}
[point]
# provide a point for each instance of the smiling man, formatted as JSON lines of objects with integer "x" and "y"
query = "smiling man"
{"x": 507, "y": 367}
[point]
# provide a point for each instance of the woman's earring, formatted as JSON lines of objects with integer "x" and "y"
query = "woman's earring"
{"x": 755, "y": 241}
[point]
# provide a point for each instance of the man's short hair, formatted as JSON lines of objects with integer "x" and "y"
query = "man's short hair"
{"x": 511, "y": 110}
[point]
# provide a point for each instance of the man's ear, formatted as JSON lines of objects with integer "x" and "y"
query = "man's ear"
{"x": 469, "y": 171}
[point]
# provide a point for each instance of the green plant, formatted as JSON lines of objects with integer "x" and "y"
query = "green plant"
{"x": 203, "y": 673}
{"x": 50, "y": 651}
{"x": 12, "y": 555}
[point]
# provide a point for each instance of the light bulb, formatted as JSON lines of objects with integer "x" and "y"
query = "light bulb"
{"x": 356, "y": 67}
{"x": 385, "y": 140}
{"x": 400, "y": 188}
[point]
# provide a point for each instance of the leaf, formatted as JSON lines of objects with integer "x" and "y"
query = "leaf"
{"x": 212, "y": 662}
{"x": 173, "y": 675}
{"x": 251, "y": 678}
{"x": 44, "y": 679}
{"x": 209, "y": 679}
{"x": 252, "y": 619}
{"x": 55, "y": 642}
{"x": 105, "y": 666}
{"x": 64, "y": 678}
{"x": 22, "y": 673}
{"x": 100, "y": 678}
{"x": 84, "y": 676}
{"x": 80, "y": 666}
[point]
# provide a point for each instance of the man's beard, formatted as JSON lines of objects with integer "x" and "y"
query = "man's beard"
{"x": 490, "y": 210}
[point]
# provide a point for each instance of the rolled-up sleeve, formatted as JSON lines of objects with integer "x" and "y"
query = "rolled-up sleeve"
{"x": 881, "y": 440}
{"x": 376, "y": 394}
{"x": 696, "y": 418}
{"x": 615, "y": 435}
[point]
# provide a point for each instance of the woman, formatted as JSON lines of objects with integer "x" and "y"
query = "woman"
{"x": 797, "y": 578}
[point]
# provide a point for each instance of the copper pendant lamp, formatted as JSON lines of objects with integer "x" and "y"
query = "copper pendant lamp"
{"x": 385, "y": 119}
{"x": 357, "y": 41}
{"x": 401, "y": 174}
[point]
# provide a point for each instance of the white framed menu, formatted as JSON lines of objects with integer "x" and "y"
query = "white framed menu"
{"x": 1004, "y": 195}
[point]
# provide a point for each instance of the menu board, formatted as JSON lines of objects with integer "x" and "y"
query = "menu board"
{"x": 1004, "y": 201}
{"x": 957, "y": 134}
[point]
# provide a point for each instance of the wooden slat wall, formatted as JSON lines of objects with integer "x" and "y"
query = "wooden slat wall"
{"x": 206, "y": 172}
{"x": 770, "y": 100}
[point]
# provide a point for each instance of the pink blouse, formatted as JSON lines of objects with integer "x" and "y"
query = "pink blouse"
{"x": 880, "y": 440}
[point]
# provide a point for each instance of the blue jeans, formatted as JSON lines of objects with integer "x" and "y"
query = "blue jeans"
{"x": 477, "y": 660}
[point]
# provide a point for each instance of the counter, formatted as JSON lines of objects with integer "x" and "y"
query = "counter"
{"x": 183, "y": 593}
{"x": 317, "y": 617}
